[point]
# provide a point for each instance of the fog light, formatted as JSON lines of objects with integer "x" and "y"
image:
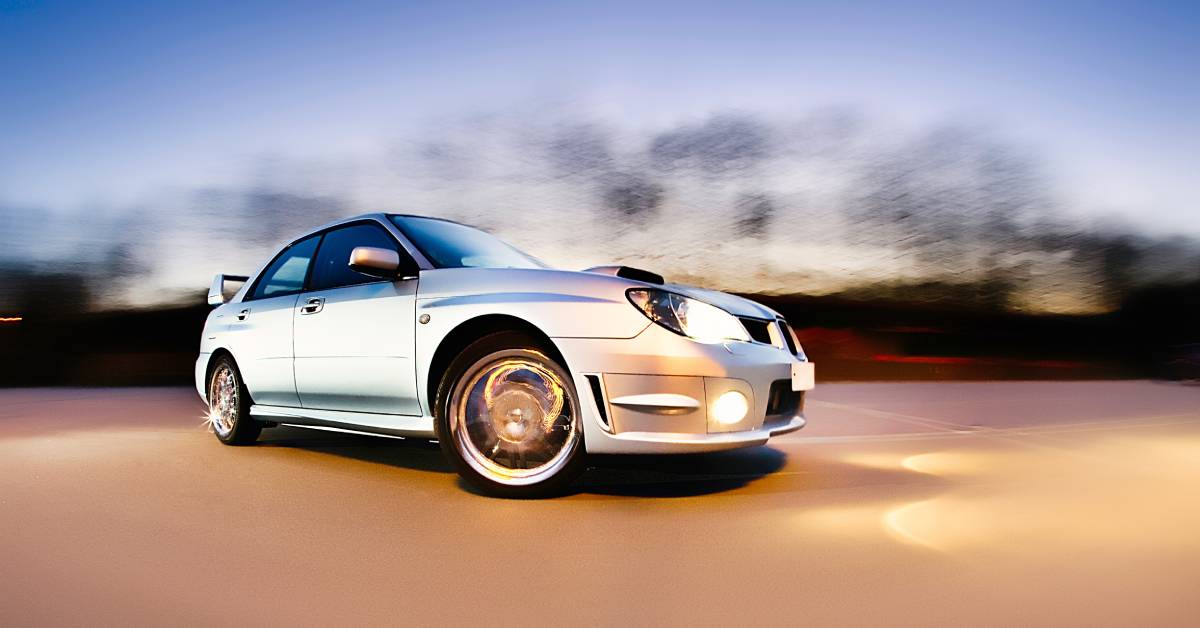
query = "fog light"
{"x": 730, "y": 408}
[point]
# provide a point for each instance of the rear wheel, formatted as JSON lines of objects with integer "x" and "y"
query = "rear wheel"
{"x": 508, "y": 418}
{"x": 229, "y": 405}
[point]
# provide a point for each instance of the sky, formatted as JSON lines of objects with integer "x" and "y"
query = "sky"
{"x": 105, "y": 105}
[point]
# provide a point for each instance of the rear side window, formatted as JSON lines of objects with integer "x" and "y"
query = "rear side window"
{"x": 285, "y": 275}
{"x": 333, "y": 260}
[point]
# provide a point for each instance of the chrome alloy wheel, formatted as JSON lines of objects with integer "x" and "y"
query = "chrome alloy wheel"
{"x": 223, "y": 400}
{"x": 514, "y": 420}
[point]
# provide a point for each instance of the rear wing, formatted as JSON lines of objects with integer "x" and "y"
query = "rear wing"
{"x": 220, "y": 293}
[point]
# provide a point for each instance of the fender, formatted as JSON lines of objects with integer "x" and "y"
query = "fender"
{"x": 448, "y": 298}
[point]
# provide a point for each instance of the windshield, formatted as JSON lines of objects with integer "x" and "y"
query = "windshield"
{"x": 451, "y": 245}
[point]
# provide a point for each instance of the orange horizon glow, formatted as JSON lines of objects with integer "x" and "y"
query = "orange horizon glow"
{"x": 11, "y": 319}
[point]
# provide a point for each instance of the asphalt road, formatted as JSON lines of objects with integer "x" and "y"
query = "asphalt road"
{"x": 900, "y": 504}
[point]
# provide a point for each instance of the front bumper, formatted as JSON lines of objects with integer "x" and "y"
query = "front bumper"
{"x": 655, "y": 393}
{"x": 674, "y": 442}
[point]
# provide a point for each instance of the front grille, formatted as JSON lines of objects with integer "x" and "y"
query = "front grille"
{"x": 782, "y": 400}
{"x": 759, "y": 330}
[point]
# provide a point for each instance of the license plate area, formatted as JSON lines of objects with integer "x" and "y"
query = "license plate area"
{"x": 804, "y": 376}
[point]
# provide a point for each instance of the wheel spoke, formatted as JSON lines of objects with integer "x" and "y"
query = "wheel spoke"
{"x": 508, "y": 419}
{"x": 223, "y": 401}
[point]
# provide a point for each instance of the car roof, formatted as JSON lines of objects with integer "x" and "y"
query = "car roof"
{"x": 380, "y": 216}
{"x": 341, "y": 221}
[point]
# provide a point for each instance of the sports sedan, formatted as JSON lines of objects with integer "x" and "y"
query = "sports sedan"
{"x": 416, "y": 327}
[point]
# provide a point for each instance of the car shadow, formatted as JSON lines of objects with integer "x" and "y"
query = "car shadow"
{"x": 681, "y": 475}
{"x": 415, "y": 454}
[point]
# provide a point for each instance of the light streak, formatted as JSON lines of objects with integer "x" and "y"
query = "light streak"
{"x": 210, "y": 420}
{"x": 896, "y": 522}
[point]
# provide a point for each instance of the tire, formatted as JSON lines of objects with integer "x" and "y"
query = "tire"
{"x": 229, "y": 404}
{"x": 508, "y": 418}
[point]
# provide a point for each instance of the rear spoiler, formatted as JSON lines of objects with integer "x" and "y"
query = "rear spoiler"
{"x": 216, "y": 293}
{"x": 628, "y": 272}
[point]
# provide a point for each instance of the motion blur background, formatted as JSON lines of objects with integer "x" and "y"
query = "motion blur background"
{"x": 925, "y": 190}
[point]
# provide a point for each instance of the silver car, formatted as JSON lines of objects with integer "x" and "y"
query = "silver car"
{"x": 417, "y": 327}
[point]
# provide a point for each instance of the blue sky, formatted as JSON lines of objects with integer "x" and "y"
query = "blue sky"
{"x": 107, "y": 103}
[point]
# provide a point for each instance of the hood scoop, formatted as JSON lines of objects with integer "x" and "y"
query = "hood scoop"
{"x": 628, "y": 272}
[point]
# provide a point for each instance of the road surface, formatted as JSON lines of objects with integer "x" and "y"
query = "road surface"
{"x": 901, "y": 504}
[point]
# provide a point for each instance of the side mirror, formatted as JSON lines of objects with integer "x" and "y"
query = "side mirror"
{"x": 376, "y": 262}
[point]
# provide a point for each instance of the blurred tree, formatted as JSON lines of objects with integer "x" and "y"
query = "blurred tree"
{"x": 953, "y": 202}
{"x": 631, "y": 195}
{"x": 722, "y": 144}
{"x": 754, "y": 213}
{"x": 268, "y": 215}
{"x": 580, "y": 149}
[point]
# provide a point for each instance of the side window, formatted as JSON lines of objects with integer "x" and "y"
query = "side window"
{"x": 286, "y": 274}
{"x": 333, "y": 260}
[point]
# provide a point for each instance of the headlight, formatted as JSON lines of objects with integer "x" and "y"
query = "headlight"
{"x": 687, "y": 317}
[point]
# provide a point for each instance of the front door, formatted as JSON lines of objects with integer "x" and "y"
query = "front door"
{"x": 354, "y": 334}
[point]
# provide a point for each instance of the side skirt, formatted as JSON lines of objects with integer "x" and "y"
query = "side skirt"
{"x": 357, "y": 422}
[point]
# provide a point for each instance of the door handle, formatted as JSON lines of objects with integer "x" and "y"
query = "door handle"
{"x": 313, "y": 305}
{"x": 243, "y": 314}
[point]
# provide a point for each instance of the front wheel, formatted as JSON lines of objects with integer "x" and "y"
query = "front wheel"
{"x": 509, "y": 418}
{"x": 229, "y": 405}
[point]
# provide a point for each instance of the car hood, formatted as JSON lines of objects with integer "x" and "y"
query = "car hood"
{"x": 526, "y": 281}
